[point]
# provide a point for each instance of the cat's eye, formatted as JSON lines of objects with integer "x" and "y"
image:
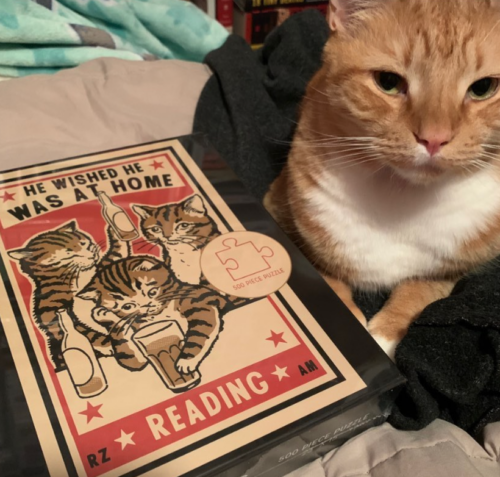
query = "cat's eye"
{"x": 153, "y": 292}
{"x": 390, "y": 83}
{"x": 128, "y": 307}
{"x": 155, "y": 229}
{"x": 183, "y": 226}
{"x": 483, "y": 89}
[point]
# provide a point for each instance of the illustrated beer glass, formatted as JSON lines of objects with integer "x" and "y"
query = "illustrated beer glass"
{"x": 117, "y": 218}
{"x": 162, "y": 343}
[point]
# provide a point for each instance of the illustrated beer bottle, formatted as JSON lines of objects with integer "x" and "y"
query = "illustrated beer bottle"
{"x": 83, "y": 366}
{"x": 117, "y": 218}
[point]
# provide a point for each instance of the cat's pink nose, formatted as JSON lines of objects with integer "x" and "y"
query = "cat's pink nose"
{"x": 434, "y": 140}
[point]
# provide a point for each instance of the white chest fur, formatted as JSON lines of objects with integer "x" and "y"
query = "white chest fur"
{"x": 388, "y": 235}
{"x": 185, "y": 263}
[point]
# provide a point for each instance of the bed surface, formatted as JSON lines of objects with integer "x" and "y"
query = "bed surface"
{"x": 106, "y": 104}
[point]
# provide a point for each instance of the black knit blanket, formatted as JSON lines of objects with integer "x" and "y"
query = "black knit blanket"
{"x": 451, "y": 355}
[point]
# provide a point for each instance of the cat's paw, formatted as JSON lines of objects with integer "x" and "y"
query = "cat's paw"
{"x": 389, "y": 346}
{"x": 386, "y": 331}
{"x": 103, "y": 316}
{"x": 187, "y": 366}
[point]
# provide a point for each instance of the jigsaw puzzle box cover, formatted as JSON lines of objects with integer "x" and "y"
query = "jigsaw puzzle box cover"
{"x": 156, "y": 321}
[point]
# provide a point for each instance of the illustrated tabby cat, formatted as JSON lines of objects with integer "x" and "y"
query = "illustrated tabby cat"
{"x": 134, "y": 292}
{"x": 393, "y": 180}
{"x": 181, "y": 230}
{"x": 55, "y": 261}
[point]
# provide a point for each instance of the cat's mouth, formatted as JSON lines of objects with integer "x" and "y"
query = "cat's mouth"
{"x": 151, "y": 310}
{"x": 419, "y": 174}
{"x": 173, "y": 243}
{"x": 420, "y": 168}
{"x": 85, "y": 262}
{"x": 166, "y": 241}
{"x": 148, "y": 317}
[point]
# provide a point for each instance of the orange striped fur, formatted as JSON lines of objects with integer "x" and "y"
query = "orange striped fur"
{"x": 398, "y": 189}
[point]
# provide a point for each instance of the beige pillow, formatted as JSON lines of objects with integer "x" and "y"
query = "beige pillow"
{"x": 103, "y": 104}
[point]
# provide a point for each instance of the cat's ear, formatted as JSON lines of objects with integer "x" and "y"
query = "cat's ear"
{"x": 195, "y": 206}
{"x": 341, "y": 11}
{"x": 89, "y": 293}
{"x": 71, "y": 227}
{"x": 143, "y": 211}
{"x": 19, "y": 254}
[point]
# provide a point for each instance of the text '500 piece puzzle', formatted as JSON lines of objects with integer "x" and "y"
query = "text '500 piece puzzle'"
{"x": 160, "y": 323}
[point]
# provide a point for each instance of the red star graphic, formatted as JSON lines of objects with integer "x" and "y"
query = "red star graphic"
{"x": 276, "y": 338}
{"x": 6, "y": 196}
{"x": 157, "y": 165}
{"x": 91, "y": 412}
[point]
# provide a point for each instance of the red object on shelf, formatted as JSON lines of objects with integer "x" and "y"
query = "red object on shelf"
{"x": 224, "y": 13}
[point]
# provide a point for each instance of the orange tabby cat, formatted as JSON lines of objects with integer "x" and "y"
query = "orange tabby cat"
{"x": 393, "y": 180}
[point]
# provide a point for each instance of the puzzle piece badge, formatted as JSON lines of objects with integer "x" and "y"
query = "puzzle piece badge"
{"x": 246, "y": 264}
{"x": 242, "y": 260}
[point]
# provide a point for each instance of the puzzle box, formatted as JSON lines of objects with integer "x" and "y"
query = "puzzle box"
{"x": 156, "y": 321}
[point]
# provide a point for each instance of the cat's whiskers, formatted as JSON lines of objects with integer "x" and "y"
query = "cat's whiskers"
{"x": 194, "y": 239}
{"x": 74, "y": 277}
{"x": 479, "y": 162}
{"x": 332, "y": 149}
{"x": 490, "y": 146}
{"x": 308, "y": 98}
{"x": 490, "y": 32}
{"x": 354, "y": 158}
{"x": 330, "y": 136}
{"x": 490, "y": 157}
{"x": 340, "y": 139}
{"x": 144, "y": 246}
{"x": 150, "y": 249}
{"x": 200, "y": 237}
{"x": 357, "y": 162}
{"x": 130, "y": 322}
{"x": 346, "y": 153}
{"x": 117, "y": 326}
{"x": 361, "y": 151}
{"x": 319, "y": 91}
{"x": 68, "y": 272}
{"x": 329, "y": 140}
{"x": 376, "y": 171}
{"x": 336, "y": 138}
{"x": 345, "y": 148}
{"x": 494, "y": 155}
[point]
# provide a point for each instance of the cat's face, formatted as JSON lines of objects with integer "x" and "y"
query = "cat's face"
{"x": 65, "y": 248}
{"x": 131, "y": 288}
{"x": 413, "y": 84}
{"x": 169, "y": 225}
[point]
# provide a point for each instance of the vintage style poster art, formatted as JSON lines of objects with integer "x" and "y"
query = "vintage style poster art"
{"x": 151, "y": 332}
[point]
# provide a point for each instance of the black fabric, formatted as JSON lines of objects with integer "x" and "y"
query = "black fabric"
{"x": 249, "y": 107}
{"x": 451, "y": 355}
{"x": 451, "y": 358}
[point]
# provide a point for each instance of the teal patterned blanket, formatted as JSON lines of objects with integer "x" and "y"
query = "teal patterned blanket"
{"x": 44, "y": 36}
